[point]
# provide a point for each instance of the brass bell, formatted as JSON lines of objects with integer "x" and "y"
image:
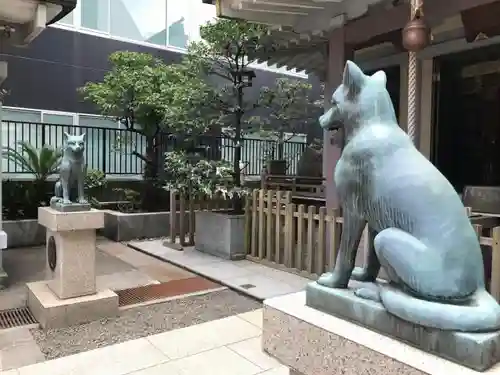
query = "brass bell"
{"x": 416, "y": 35}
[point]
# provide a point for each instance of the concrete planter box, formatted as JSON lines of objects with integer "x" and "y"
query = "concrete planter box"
{"x": 220, "y": 234}
{"x": 119, "y": 226}
{"x": 23, "y": 233}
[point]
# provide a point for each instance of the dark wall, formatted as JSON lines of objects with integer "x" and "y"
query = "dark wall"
{"x": 46, "y": 74}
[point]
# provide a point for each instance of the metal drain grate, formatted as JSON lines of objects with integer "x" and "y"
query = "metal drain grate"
{"x": 172, "y": 288}
{"x": 16, "y": 318}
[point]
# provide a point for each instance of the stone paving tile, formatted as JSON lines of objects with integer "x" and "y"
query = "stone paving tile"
{"x": 165, "y": 272}
{"x": 124, "y": 280}
{"x": 237, "y": 352}
{"x": 18, "y": 348}
{"x": 266, "y": 282}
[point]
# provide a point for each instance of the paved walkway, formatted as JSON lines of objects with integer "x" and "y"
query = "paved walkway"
{"x": 229, "y": 346}
{"x": 248, "y": 277}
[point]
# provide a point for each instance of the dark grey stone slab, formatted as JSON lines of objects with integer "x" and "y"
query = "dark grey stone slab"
{"x": 73, "y": 207}
{"x": 478, "y": 351}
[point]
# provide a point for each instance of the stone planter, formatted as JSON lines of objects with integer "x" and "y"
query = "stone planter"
{"x": 119, "y": 226}
{"x": 24, "y": 233}
{"x": 220, "y": 234}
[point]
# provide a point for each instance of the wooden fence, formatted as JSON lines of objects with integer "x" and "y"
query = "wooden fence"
{"x": 293, "y": 237}
{"x": 182, "y": 215}
{"x": 285, "y": 235}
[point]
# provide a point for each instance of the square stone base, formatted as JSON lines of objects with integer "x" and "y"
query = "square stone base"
{"x": 309, "y": 342}
{"x": 52, "y": 312}
{"x": 478, "y": 351}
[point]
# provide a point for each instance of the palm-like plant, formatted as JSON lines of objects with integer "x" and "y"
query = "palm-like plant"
{"x": 41, "y": 162}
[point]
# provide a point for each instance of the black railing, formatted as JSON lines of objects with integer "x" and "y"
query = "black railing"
{"x": 113, "y": 150}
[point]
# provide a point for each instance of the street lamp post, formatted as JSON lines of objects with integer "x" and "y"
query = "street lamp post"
{"x": 21, "y": 21}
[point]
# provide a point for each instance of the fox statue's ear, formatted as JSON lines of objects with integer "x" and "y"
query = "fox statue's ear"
{"x": 379, "y": 77}
{"x": 353, "y": 79}
{"x": 83, "y": 136}
{"x": 66, "y": 135}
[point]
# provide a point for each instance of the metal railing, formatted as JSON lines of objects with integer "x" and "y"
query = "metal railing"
{"x": 113, "y": 150}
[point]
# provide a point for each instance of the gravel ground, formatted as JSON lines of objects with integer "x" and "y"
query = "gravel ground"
{"x": 142, "y": 321}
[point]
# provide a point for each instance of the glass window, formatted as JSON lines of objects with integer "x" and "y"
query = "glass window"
{"x": 143, "y": 20}
{"x": 95, "y": 14}
{"x": 201, "y": 14}
{"x": 68, "y": 19}
{"x": 177, "y": 21}
{"x": 28, "y": 129}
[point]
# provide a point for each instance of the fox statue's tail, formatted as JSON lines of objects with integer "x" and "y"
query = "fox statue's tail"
{"x": 481, "y": 314}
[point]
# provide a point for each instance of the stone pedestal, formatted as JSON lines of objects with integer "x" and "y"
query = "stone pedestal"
{"x": 309, "y": 342}
{"x": 3, "y": 246}
{"x": 69, "y": 296}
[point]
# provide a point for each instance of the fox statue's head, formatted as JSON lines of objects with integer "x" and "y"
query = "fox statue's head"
{"x": 74, "y": 145}
{"x": 360, "y": 99}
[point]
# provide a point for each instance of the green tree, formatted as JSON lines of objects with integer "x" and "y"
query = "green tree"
{"x": 289, "y": 110}
{"x": 151, "y": 98}
{"x": 225, "y": 54}
{"x": 41, "y": 163}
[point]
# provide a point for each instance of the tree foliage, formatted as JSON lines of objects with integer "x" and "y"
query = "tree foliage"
{"x": 224, "y": 55}
{"x": 289, "y": 109}
{"x": 41, "y": 162}
{"x": 152, "y": 98}
{"x": 146, "y": 95}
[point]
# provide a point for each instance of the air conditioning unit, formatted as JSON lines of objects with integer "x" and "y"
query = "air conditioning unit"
{"x": 21, "y": 21}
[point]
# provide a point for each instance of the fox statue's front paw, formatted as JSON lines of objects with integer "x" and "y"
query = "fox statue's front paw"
{"x": 333, "y": 280}
{"x": 362, "y": 274}
{"x": 66, "y": 201}
{"x": 82, "y": 201}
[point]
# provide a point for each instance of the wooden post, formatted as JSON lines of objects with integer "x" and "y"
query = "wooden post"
{"x": 277, "y": 229}
{"x": 321, "y": 266}
{"x": 495, "y": 264}
{"x": 269, "y": 225}
{"x": 173, "y": 217}
{"x": 248, "y": 224}
{"x": 261, "y": 224}
{"x": 182, "y": 219}
{"x": 255, "y": 223}
{"x": 300, "y": 237}
{"x": 310, "y": 256}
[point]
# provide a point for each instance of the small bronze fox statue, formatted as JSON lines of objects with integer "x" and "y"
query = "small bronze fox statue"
{"x": 70, "y": 186}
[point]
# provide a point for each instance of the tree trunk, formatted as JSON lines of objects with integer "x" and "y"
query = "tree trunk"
{"x": 237, "y": 201}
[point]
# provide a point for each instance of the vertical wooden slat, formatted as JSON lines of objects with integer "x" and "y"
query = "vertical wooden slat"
{"x": 287, "y": 234}
{"x": 182, "y": 219}
{"x": 334, "y": 234}
{"x": 300, "y": 237}
{"x": 321, "y": 266}
{"x": 278, "y": 229}
{"x": 495, "y": 264}
{"x": 269, "y": 225}
{"x": 255, "y": 223}
{"x": 261, "y": 225}
{"x": 248, "y": 224}
{"x": 310, "y": 256}
{"x": 173, "y": 216}
{"x": 192, "y": 220}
